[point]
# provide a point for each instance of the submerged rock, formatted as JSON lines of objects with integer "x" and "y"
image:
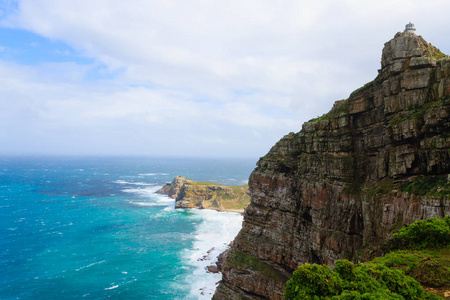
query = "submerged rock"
{"x": 339, "y": 187}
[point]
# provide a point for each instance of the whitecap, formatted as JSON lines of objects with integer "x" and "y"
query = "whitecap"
{"x": 144, "y": 203}
{"x": 133, "y": 183}
{"x": 90, "y": 265}
{"x": 151, "y": 198}
{"x": 212, "y": 237}
{"x": 143, "y": 191}
{"x": 112, "y": 287}
{"x": 153, "y": 174}
{"x": 120, "y": 181}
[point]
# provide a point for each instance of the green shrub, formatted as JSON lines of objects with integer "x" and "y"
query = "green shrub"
{"x": 377, "y": 295}
{"x": 431, "y": 273}
{"x": 345, "y": 269}
{"x": 430, "y": 267}
{"x": 352, "y": 281}
{"x": 311, "y": 281}
{"x": 422, "y": 234}
{"x": 383, "y": 278}
{"x": 432, "y": 185}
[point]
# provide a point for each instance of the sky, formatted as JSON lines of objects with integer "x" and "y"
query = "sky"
{"x": 187, "y": 78}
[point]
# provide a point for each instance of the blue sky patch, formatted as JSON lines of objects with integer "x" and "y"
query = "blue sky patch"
{"x": 27, "y": 48}
{"x": 101, "y": 71}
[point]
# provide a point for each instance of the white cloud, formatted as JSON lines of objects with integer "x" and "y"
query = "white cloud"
{"x": 203, "y": 73}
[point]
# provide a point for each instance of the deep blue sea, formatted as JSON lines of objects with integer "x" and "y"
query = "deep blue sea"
{"x": 92, "y": 228}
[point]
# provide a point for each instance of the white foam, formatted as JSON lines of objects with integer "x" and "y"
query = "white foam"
{"x": 148, "y": 204}
{"x": 90, "y": 265}
{"x": 133, "y": 183}
{"x": 112, "y": 287}
{"x": 170, "y": 207}
{"x": 153, "y": 174}
{"x": 212, "y": 237}
{"x": 151, "y": 199}
{"x": 120, "y": 181}
{"x": 143, "y": 189}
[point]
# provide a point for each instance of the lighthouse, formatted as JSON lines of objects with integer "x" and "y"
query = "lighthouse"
{"x": 410, "y": 27}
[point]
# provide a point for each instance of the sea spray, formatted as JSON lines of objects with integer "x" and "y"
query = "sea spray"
{"x": 212, "y": 237}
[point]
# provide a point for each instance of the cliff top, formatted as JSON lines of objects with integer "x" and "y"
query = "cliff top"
{"x": 406, "y": 45}
{"x": 349, "y": 179}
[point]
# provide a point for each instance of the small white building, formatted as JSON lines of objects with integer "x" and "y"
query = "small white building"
{"x": 410, "y": 27}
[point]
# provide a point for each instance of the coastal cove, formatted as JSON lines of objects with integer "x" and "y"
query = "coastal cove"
{"x": 93, "y": 228}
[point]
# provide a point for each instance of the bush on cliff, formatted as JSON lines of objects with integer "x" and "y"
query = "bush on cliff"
{"x": 430, "y": 267}
{"x": 384, "y": 277}
{"x": 350, "y": 281}
{"x": 422, "y": 234}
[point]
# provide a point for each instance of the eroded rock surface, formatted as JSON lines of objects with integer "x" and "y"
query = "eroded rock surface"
{"x": 339, "y": 187}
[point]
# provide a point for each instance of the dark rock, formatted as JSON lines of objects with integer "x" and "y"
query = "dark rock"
{"x": 340, "y": 187}
{"x": 212, "y": 269}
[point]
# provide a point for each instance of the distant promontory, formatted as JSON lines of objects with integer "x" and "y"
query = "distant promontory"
{"x": 192, "y": 194}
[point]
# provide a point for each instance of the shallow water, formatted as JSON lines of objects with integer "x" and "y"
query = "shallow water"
{"x": 93, "y": 228}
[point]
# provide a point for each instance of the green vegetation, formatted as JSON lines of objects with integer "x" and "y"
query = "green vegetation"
{"x": 353, "y": 281}
{"x": 437, "y": 186}
{"x": 383, "y": 187}
{"x": 436, "y": 53}
{"x": 397, "y": 275}
{"x": 416, "y": 111}
{"x": 242, "y": 259}
{"x": 217, "y": 196}
{"x": 361, "y": 88}
{"x": 326, "y": 116}
{"x": 438, "y": 56}
{"x": 430, "y": 267}
{"x": 422, "y": 234}
{"x": 202, "y": 183}
{"x": 338, "y": 109}
{"x": 434, "y": 186}
{"x": 209, "y": 195}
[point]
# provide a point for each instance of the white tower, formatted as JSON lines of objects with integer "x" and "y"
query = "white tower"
{"x": 410, "y": 27}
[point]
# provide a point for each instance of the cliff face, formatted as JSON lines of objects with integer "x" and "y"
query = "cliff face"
{"x": 191, "y": 194}
{"x": 339, "y": 187}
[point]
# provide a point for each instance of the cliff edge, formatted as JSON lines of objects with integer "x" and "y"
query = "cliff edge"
{"x": 191, "y": 194}
{"x": 339, "y": 187}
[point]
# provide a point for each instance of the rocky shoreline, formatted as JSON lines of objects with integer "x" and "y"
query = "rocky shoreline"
{"x": 206, "y": 195}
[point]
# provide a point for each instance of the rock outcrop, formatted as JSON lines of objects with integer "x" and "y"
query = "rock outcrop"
{"x": 191, "y": 194}
{"x": 346, "y": 181}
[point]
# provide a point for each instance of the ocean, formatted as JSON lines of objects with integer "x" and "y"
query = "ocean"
{"x": 93, "y": 228}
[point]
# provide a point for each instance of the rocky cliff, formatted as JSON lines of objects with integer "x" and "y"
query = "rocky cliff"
{"x": 348, "y": 179}
{"x": 191, "y": 194}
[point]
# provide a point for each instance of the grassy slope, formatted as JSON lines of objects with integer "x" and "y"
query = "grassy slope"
{"x": 430, "y": 267}
{"x": 228, "y": 198}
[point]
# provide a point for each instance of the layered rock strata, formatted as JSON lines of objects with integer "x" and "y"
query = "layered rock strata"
{"x": 191, "y": 194}
{"x": 346, "y": 181}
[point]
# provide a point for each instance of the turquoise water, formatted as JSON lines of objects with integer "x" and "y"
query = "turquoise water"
{"x": 92, "y": 228}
